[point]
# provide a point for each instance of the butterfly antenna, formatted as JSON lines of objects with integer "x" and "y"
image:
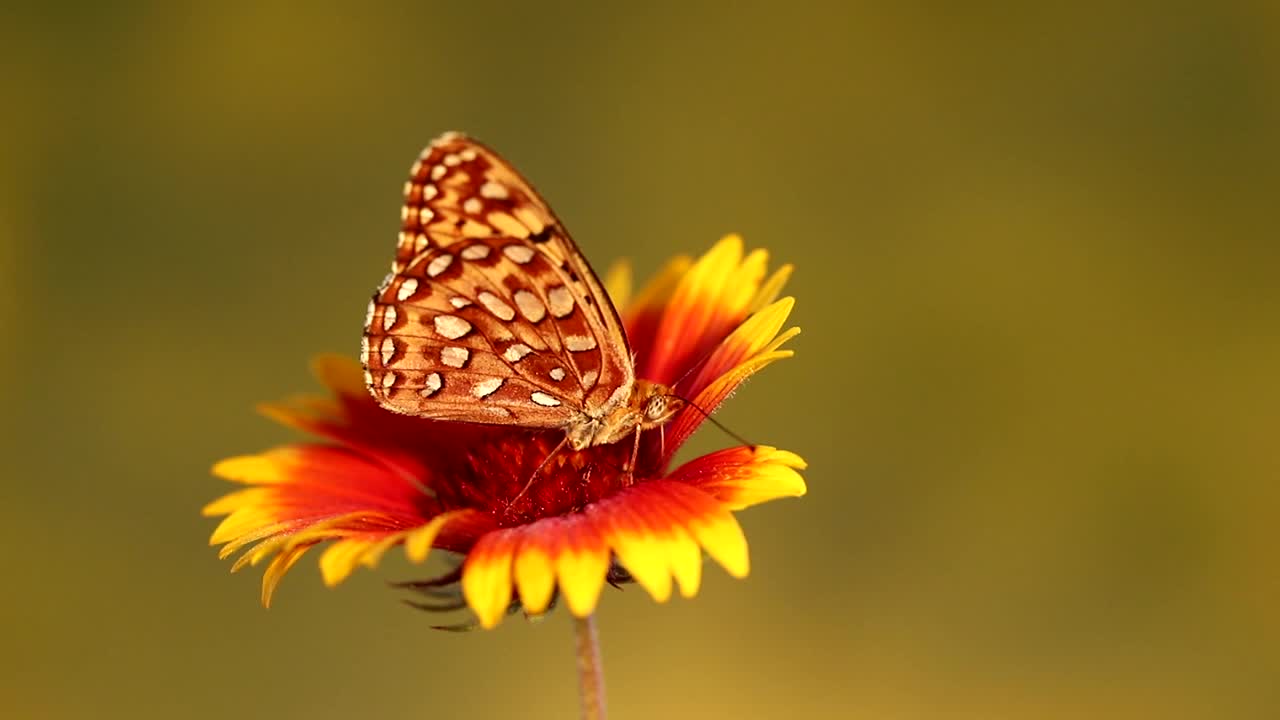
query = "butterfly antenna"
{"x": 538, "y": 470}
{"x": 707, "y": 416}
{"x": 694, "y": 366}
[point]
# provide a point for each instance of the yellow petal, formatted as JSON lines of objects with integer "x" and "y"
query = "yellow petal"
{"x": 535, "y": 577}
{"x": 685, "y": 557}
{"x": 742, "y": 477}
{"x": 617, "y": 282}
{"x": 237, "y": 501}
{"x": 240, "y": 539}
{"x": 340, "y": 558}
{"x": 328, "y": 528}
{"x": 657, "y": 291}
{"x": 774, "y": 474}
{"x": 647, "y": 559}
{"x": 373, "y": 554}
{"x": 301, "y": 413}
{"x": 761, "y": 328}
{"x": 239, "y": 523}
{"x": 744, "y": 284}
{"x": 723, "y": 540}
{"x": 640, "y": 551}
{"x": 262, "y": 469}
{"x": 259, "y": 552}
{"x": 340, "y": 374}
{"x": 771, "y": 288}
{"x": 277, "y": 569}
{"x": 705, "y": 280}
{"x": 581, "y": 566}
{"x": 486, "y": 577}
{"x": 750, "y": 341}
{"x": 417, "y": 544}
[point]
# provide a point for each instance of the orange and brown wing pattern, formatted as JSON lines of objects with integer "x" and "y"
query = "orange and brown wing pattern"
{"x": 491, "y": 313}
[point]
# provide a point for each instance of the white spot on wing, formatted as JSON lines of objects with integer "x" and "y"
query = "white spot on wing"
{"x": 429, "y": 192}
{"x": 438, "y": 172}
{"x": 431, "y": 385}
{"x": 455, "y": 357}
{"x": 472, "y": 206}
{"x": 452, "y": 326}
{"x": 388, "y": 317}
{"x": 580, "y": 343}
{"x": 589, "y": 379}
{"x": 496, "y": 305}
{"x": 557, "y": 374}
{"x": 544, "y": 399}
{"x": 407, "y": 289}
{"x": 493, "y": 191}
{"x": 561, "y": 301}
{"x": 516, "y": 352}
{"x": 478, "y": 251}
{"x": 485, "y": 388}
{"x": 518, "y": 253}
{"x": 530, "y": 306}
{"x": 425, "y": 215}
{"x": 459, "y": 302}
{"x": 439, "y": 265}
{"x": 388, "y": 349}
{"x": 388, "y": 381}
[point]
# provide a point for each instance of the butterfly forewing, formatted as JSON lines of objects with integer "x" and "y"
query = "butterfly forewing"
{"x": 491, "y": 313}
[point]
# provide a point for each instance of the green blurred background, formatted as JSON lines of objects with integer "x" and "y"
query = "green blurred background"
{"x": 1037, "y": 385}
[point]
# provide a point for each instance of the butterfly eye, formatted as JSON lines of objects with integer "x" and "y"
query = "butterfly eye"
{"x": 656, "y": 407}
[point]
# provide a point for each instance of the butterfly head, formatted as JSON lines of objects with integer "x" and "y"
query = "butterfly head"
{"x": 649, "y": 405}
{"x": 655, "y": 403}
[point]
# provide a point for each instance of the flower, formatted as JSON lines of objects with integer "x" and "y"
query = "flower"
{"x": 379, "y": 479}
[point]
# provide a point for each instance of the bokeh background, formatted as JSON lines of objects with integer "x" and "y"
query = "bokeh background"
{"x": 1037, "y": 273}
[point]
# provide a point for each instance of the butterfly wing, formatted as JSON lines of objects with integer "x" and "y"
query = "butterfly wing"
{"x": 491, "y": 313}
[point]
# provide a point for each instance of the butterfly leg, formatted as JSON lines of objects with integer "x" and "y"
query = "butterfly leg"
{"x": 628, "y": 476}
{"x": 528, "y": 484}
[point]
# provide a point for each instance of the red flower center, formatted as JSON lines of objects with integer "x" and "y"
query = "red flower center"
{"x": 519, "y": 476}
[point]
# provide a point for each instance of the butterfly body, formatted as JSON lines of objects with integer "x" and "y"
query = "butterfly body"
{"x": 649, "y": 404}
{"x": 491, "y": 313}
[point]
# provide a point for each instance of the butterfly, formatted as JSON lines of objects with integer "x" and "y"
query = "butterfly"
{"x": 491, "y": 313}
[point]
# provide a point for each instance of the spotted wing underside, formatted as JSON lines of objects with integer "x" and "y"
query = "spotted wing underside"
{"x": 491, "y": 313}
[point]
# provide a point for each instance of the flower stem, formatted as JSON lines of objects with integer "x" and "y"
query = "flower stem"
{"x": 590, "y": 670}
